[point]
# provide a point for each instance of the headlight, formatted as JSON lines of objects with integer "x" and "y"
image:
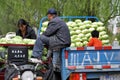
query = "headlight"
{"x": 27, "y": 75}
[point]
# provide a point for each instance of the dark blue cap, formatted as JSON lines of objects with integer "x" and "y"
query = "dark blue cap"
{"x": 52, "y": 11}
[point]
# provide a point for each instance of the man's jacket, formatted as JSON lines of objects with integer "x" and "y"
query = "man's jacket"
{"x": 59, "y": 34}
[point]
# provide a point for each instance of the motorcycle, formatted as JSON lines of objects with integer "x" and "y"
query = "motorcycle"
{"x": 19, "y": 67}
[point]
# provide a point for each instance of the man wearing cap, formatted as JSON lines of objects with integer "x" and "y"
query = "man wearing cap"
{"x": 56, "y": 37}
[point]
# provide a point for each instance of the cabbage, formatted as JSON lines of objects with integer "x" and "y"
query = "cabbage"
{"x": 102, "y": 33}
{"x": 94, "y": 26}
{"x": 43, "y": 29}
{"x": 29, "y": 41}
{"x": 75, "y": 28}
{"x": 29, "y": 53}
{"x": 105, "y": 41}
{"x": 32, "y": 41}
{"x": 73, "y": 24}
{"x": 2, "y": 49}
{"x": 87, "y": 22}
{"x": 80, "y": 35}
{"x": 100, "y": 37}
{"x": 73, "y": 33}
{"x": 3, "y": 40}
{"x": 72, "y": 45}
{"x": 85, "y": 31}
{"x": 44, "y": 58}
{"x": 100, "y": 24}
{"x": 77, "y": 39}
{"x": 12, "y": 41}
{"x": 87, "y": 26}
{"x": 17, "y": 41}
{"x": 88, "y": 35}
{"x": 94, "y": 23}
{"x": 104, "y": 37}
{"x": 82, "y": 27}
{"x": 78, "y": 31}
{"x": 70, "y": 28}
{"x": 81, "y": 39}
{"x": 101, "y": 28}
{"x": 85, "y": 43}
{"x": 107, "y": 44}
{"x": 79, "y": 24}
{"x": 78, "y": 44}
{"x": 45, "y": 24}
{"x": 18, "y": 37}
{"x": 91, "y": 29}
{"x": 69, "y": 23}
{"x": 73, "y": 41}
{"x": 78, "y": 21}
{"x": 74, "y": 36}
{"x": 85, "y": 39}
{"x": 45, "y": 51}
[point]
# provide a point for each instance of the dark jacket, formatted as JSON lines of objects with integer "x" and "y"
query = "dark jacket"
{"x": 30, "y": 33}
{"x": 59, "y": 34}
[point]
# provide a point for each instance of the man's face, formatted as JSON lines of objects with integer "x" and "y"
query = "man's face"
{"x": 50, "y": 17}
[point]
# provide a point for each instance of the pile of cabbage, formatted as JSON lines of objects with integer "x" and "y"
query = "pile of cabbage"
{"x": 19, "y": 40}
{"x": 80, "y": 32}
{"x": 16, "y": 40}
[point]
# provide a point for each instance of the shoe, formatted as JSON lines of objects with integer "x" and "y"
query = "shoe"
{"x": 35, "y": 60}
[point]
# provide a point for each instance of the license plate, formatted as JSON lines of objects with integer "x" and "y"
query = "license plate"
{"x": 110, "y": 77}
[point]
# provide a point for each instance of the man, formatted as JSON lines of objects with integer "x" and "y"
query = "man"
{"x": 56, "y": 37}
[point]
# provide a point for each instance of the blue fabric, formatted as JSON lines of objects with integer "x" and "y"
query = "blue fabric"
{"x": 56, "y": 59}
{"x": 39, "y": 45}
{"x": 38, "y": 49}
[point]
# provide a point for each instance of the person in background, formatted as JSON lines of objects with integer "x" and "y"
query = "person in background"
{"x": 94, "y": 41}
{"x": 115, "y": 43}
{"x": 56, "y": 37}
{"x": 25, "y": 31}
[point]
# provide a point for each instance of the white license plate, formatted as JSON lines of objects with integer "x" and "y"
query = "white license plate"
{"x": 110, "y": 77}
